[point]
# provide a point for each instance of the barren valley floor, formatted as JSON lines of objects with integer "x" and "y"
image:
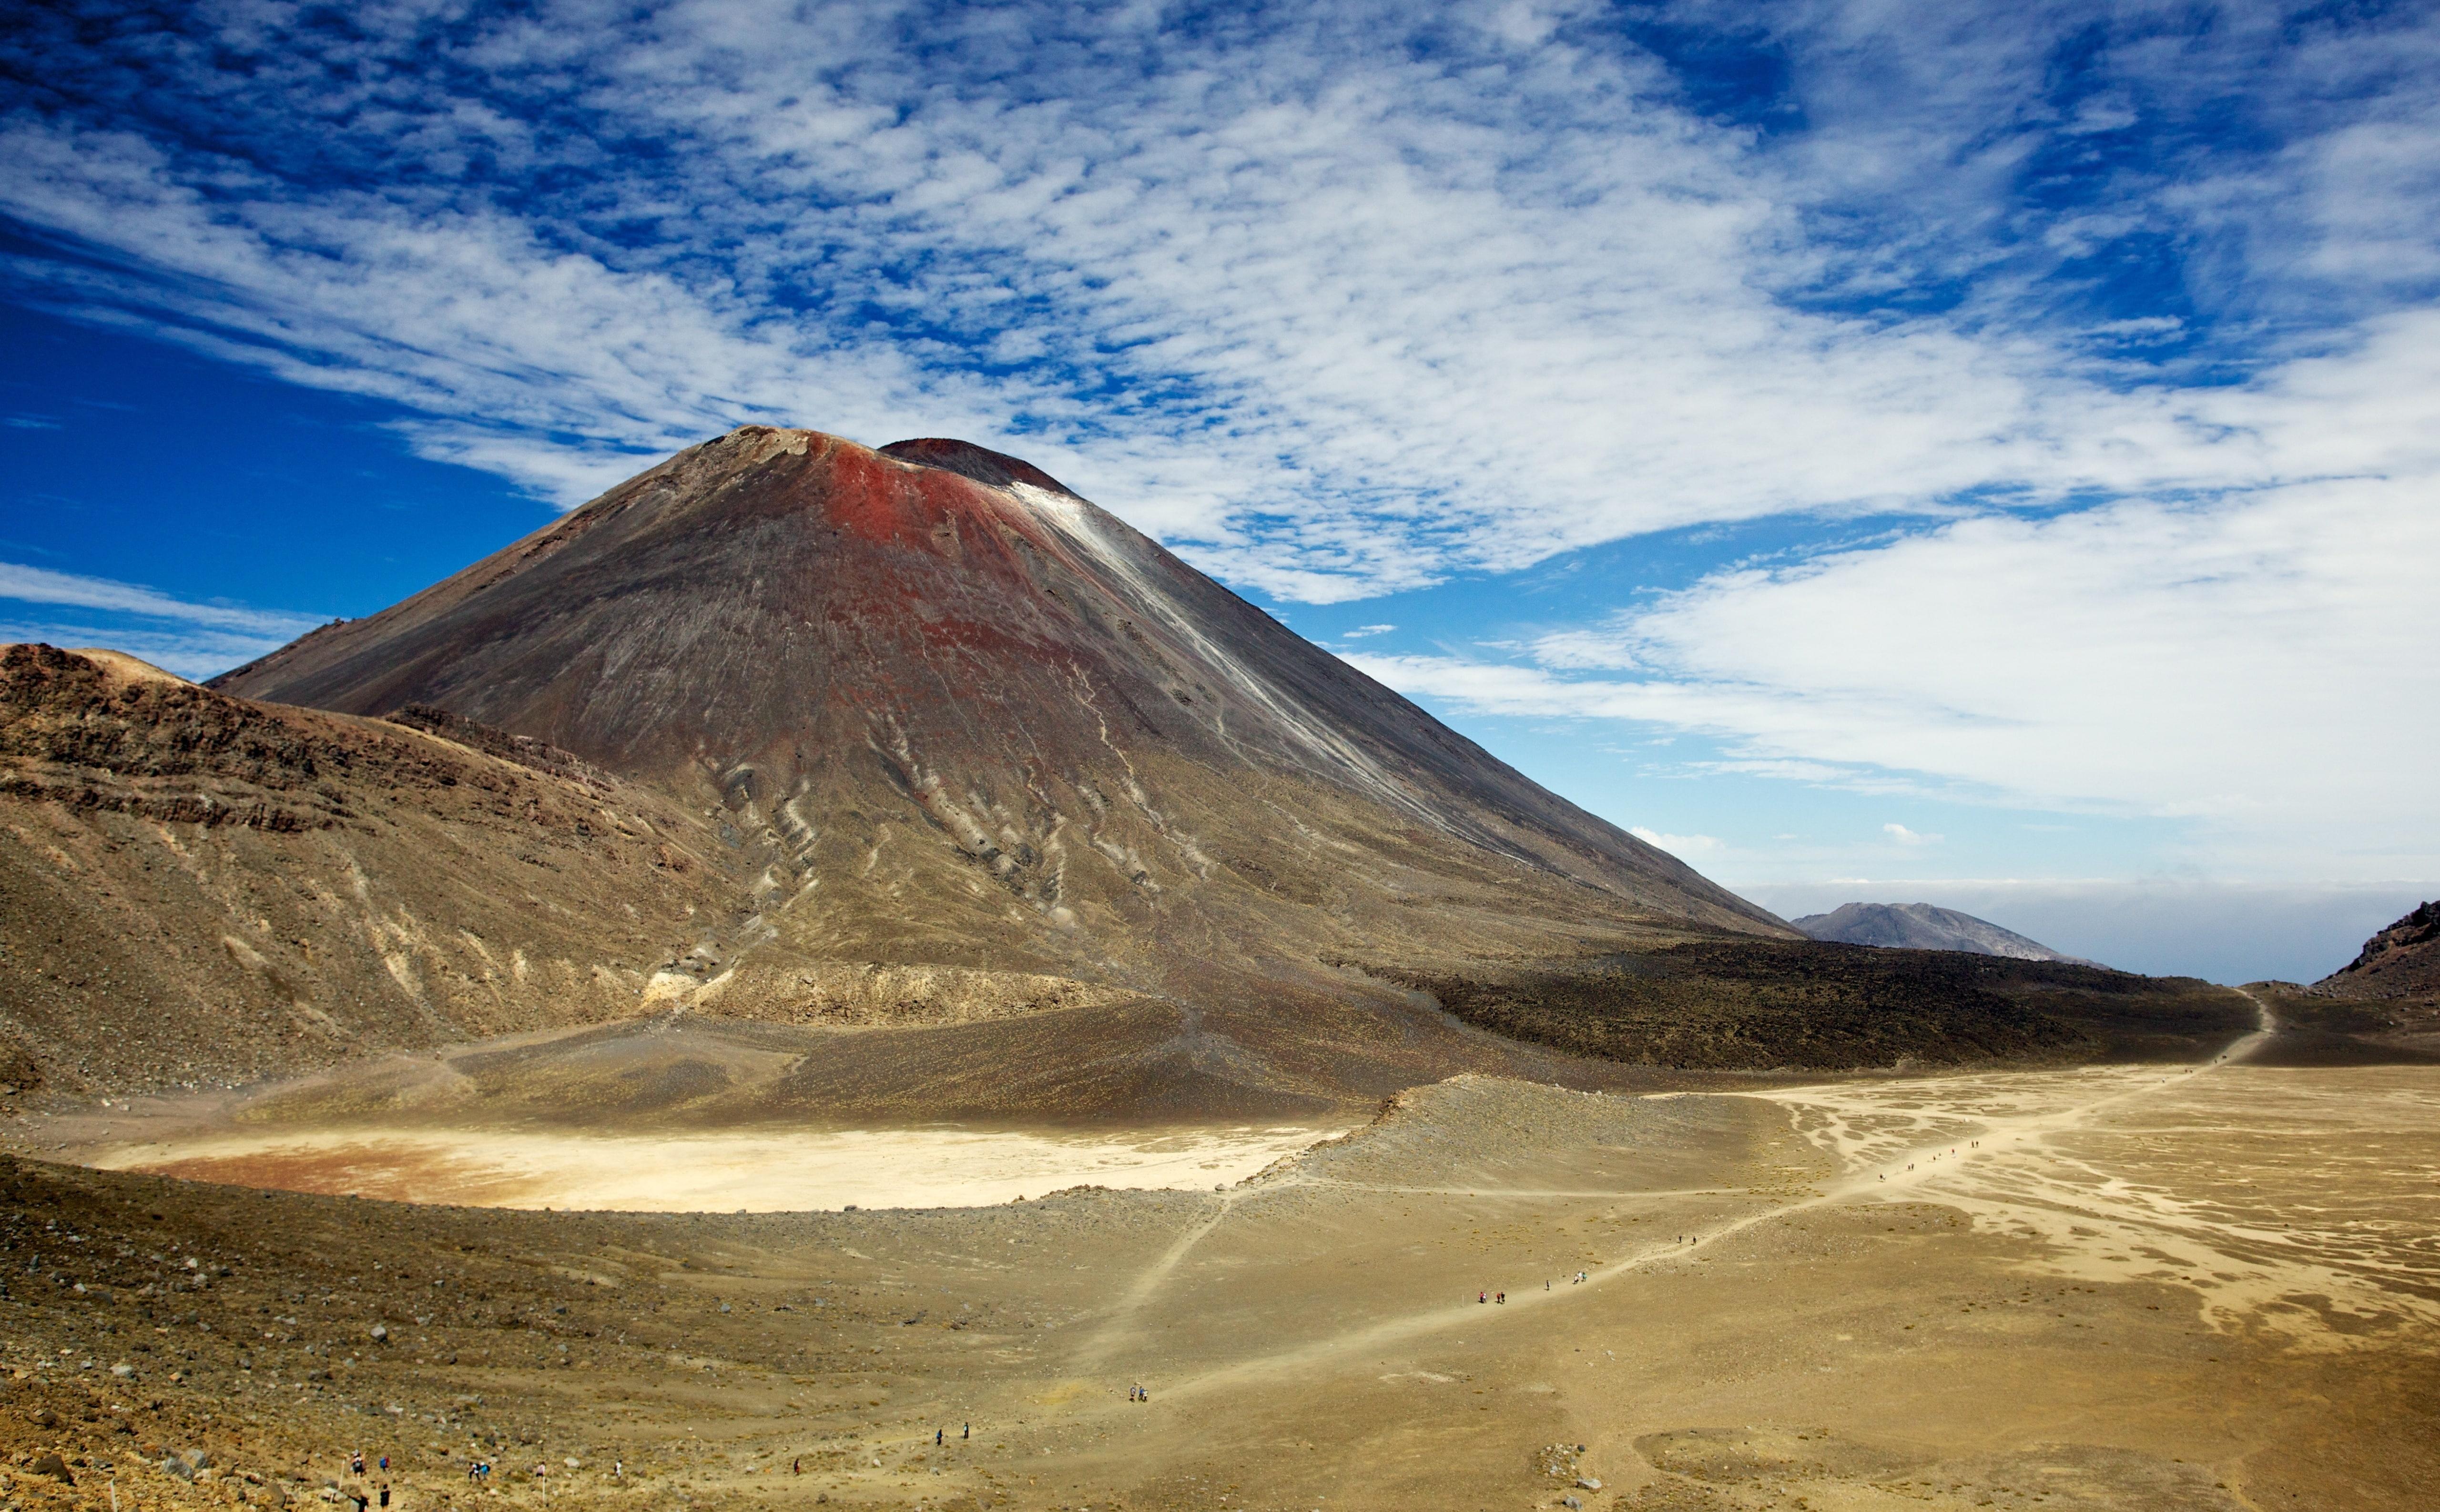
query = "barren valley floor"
{"x": 2160, "y": 1286}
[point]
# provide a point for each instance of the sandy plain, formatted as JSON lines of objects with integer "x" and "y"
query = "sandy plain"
{"x": 2213, "y": 1286}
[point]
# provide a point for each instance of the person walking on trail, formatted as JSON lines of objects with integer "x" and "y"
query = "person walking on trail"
{"x": 967, "y": 1432}
{"x": 1483, "y": 1296}
{"x": 939, "y": 1435}
{"x": 356, "y": 1462}
{"x": 385, "y": 1493}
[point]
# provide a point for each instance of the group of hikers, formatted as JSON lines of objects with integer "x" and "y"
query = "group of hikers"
{"x": 364, "y": 1499}
{"x": 1500, "y": 1298}
{"x": 479, "y": 1474}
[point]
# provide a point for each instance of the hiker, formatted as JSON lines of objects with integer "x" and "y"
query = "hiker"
{"x": 384, "y": 1464}
{"x": 1503, "y": 1299}
{"x": 967, "y": 1432}
{"x": 938, "y": 1436}
{"x": 356, "y": 1462}
{"x": 1483, "y": 1296}
{"x": 797, "y": 1467}
{"x": 385, "y": 1493}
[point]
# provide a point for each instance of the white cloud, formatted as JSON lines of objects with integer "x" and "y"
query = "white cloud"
{"x": 1290, "y": 249}
{"x": 193, "y": 640}
{"x": 1363, "y": 630}
{"x": 1907, "y": 837}
{"x": 2260, "y": 667}
{"x": 1684, "y": 847}
{"x": 31, "y": 584}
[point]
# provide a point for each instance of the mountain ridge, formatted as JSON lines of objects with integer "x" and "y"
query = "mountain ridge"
{"x": 1925, "y": 927}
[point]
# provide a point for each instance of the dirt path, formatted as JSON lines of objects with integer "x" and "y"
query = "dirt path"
{"x": 1846, "y": 1120}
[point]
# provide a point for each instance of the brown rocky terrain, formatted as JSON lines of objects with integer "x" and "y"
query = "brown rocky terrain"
{"x": 2402, "y": 960}
{"x": 196, "y": 889}
{"x": 978, "y": 800}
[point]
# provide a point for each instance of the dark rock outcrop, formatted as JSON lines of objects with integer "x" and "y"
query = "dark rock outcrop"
{"x": 2402, "y": 960}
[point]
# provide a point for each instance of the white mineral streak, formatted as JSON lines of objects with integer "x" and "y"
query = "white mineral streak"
{"x": 1076, "y": 520}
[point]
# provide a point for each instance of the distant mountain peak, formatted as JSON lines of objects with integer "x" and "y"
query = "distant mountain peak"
{"x": 1925, "y": 927}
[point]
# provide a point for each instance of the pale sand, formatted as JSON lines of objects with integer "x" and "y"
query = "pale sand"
{"x": 750, "y": 1171}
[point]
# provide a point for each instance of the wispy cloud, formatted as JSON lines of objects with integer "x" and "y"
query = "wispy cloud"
{"x": 2259, "y": 668}
{"x": 193, "y": 640}
{"x": 1227, "y": 274}
{"x": 1684, "y": 847}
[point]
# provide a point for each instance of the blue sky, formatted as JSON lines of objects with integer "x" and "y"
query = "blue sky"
{"x": 1976, "y": 453}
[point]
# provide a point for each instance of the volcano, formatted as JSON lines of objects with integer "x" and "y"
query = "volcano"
{"x": 846, "y": 647}
{"x": 955, "y": 717}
